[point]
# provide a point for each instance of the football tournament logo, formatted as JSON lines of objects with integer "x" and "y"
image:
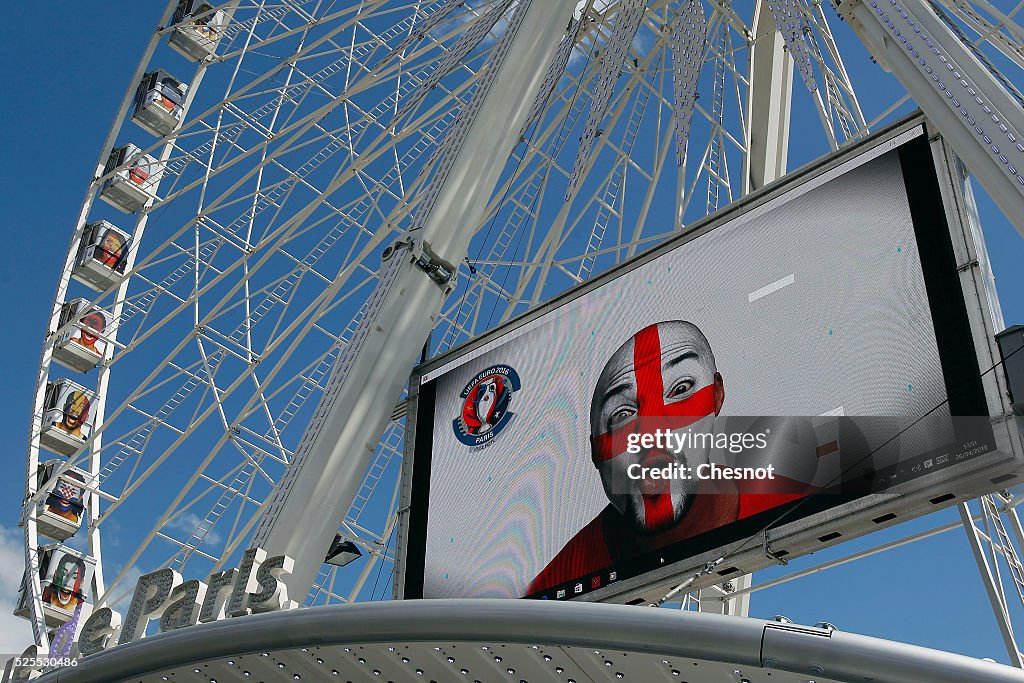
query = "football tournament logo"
{"x": 486, "y": 403}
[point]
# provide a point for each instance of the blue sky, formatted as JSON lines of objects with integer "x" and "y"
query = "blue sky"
{"x": 64, "y": 79}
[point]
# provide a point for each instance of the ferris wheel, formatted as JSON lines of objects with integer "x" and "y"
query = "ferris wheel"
{"x": 268, "y": 158}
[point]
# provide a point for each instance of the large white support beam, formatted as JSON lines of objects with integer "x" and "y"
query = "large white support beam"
{"x": 769, "y": 103}
{"x": 975, "y": 113}
{"x": 319, "y": 486}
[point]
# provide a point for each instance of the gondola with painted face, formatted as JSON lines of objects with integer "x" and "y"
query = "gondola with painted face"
{"x": 102, "y": 255}
{"x": 67, "y": 416}
{"x": 159, "y": 103}
{"x": 59, "y": 514}
{"x": 198, "y": 29}
{"x": 81, "y": 345}
{"x": 66, "y": 582}
{"x": 135, "y": 177}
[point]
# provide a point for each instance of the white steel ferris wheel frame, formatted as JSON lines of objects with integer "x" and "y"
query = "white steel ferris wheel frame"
{"x": 764, "y": 139}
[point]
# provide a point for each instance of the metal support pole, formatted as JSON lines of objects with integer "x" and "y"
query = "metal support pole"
{"x": 337, "y": 448}
{"x": 769, "y": 102}
{"x": 998, "y": 607}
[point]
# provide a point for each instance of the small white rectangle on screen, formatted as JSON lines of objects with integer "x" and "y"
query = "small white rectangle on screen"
{"x": 773, "y": 287}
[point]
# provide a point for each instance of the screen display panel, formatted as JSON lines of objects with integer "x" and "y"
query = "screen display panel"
{"x": 804, "y": 354}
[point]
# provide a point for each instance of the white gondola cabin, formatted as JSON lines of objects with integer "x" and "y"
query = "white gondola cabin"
{"x": 81, "y": 345}
{"x": 67, "y": 416}
{"x": 66, "y": 580}
{"x": 199, "y": 27}
{"x": 59, "y": 514}
{"x": 102, "y": 255}
{"x": 159, "y": 103}
{"x": 134, "y": 181}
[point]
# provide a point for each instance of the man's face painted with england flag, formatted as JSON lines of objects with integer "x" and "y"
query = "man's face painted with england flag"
{"x": 662, "y": 378}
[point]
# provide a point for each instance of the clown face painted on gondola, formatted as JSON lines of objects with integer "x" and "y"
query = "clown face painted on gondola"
{"x": 67, "y": 497}
{"x": 66, "y": 590}
{"x": 111, "y": 249}
{"x": 92, "y": 325}
{"x": 75, "y": 413}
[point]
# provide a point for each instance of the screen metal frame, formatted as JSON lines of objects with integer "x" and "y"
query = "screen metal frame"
{"x": 963, "y": 312}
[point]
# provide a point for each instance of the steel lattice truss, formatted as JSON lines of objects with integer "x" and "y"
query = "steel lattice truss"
{"x": 306, "y": 150}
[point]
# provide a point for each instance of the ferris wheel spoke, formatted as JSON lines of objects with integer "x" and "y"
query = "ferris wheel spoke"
{"x": 261, "y": 43}
{"x": 626, "y": 23}
{"x": 139, "y": 441}
{"x": 454, "y": 57}
{"x": 258, "y": 426}
{"x": 388, "y": 450}
{"x": 306, "y": 321}
{"x": 269, "y": 108}
{"x": 226, "y": 300}
{"x": 172, "y": 511}
{"x": 558, "y": 234}
{"x": 525, "y": 201}
{"x": 842, "y": 98}
{"x": 306, "y": 122}
{"x": 133, "y": 442}
{"x": 242, "y": 476}
{"x": 212, "y": 484}
{"x": 249, "y": 438}
{"x": 991, "y": 25}
{"x": 661, "y": 156}
{"x": 234, "y": 533}
{"x": 613, "y": 185}
{"x": 163, "y": 536}
{"x": 294, "y": 132}
{"x": 418, "y": 25}
{"x": 353, "y": 169}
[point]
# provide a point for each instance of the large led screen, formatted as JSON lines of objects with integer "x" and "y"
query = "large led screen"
{"x": 790, "y": 359}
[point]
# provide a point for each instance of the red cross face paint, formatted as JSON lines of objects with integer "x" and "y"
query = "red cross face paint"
{"x": 662, "y": 378}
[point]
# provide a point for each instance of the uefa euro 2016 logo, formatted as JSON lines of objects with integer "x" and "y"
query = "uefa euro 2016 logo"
{"x": 485, "y": 405}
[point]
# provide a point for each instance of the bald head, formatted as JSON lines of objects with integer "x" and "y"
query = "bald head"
{"x": 678, "y": 353}
{"x": 663, "y": 377}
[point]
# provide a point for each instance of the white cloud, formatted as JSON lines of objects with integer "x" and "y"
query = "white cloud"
{"x": 643, "y": 41}
{"x": 15, "y": 632}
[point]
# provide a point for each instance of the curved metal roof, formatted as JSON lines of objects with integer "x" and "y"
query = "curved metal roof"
{"x": 519, "y": 640}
